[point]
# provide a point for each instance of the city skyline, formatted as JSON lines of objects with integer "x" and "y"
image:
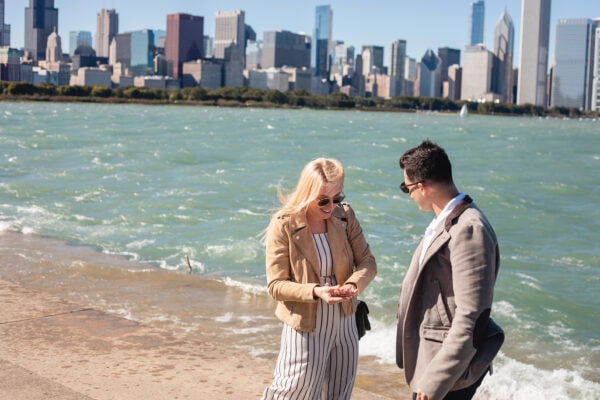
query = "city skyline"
{"x": 382, "y": 23}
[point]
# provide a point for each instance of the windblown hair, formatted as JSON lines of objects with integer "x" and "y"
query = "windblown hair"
{"x": 314, "y": 176}
{"x": 427, "y": 162}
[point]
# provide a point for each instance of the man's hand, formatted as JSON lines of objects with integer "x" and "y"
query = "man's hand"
{"x": 422, "y": 396}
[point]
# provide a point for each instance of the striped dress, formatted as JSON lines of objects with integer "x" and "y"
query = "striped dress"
{"x": 320, "y": 364}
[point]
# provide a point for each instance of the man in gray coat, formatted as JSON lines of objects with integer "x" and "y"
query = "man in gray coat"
{"x": 446, "y": 340}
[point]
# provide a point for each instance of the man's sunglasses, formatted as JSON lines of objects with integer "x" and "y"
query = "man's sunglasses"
{"x": 404, "y": 187}
{"x": 336, "y": 200}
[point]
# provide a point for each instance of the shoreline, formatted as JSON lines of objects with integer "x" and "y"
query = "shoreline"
{"x": 65, "y": 337}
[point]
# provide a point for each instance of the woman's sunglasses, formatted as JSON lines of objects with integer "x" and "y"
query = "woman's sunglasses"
{"x": 336, "y": 200}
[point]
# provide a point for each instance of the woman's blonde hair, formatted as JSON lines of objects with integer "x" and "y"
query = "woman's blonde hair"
{"x": 314, "y": 176}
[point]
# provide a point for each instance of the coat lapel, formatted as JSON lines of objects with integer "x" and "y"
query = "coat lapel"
{"x": 303, "y": 240}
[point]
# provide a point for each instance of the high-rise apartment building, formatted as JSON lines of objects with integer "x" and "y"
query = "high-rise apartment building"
{"x": 185, "y": 40}
{"x": 573, "y": 64}
{"x": 477, "y": 22}
{"x": 322, "y": 41}
{"x": 41, "y": 19}
{"x": 230, "y": 45}
{"x": 504, "y": 42}
{"x": 535, "y": 36}
{"x": 79, "y": 38}
{"x": 396, "y": 72}
{"x": 4, "y": 28}
{"x": 284, "y": 48}
{"x": 107, "y": 27}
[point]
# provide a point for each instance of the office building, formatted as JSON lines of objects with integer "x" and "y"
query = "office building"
{"x": 448, "y": 57}
{"x": 205, "y": 73}
{"x": 10, "y": 64}
{"x": 107, "y": 27}
{"x": 372, "y": 58}
{"x": 430, "y": 74}
{"x": 451, "y": 88}
{"x": 185, "y": 40}
{"x": 284, "y": 48}
{"x": 41, "y": 19}
{"x": 504, "y": 42}
{"x": 397, "y": 56}
{"x": 230, "y": 45}
{"x": 79, "y": 38}
{"x": 477, "y": 74}
{"x": 142, "y": 52}
{"x": 4, "y": 28}
{"x": 322, "y": 41}
{"x": 53, "y": 52}
{"x": 477, "y": 22}
{"x": 535, "y": 36}
{"x": 120, "y": 51}
{"x": 572, "y": 77}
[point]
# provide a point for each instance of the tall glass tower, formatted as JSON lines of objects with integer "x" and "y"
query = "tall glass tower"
{"x": 4, "y": 28}
{"x": 477, "y": 19}
{"x": 397, "y": 56}
{"x": 504, "y": 42}
{"x": 41, "y": 19}
{"x": 535, "y": 36}
{"x": 321, "y": 41}
{"x": 572, "y": 77}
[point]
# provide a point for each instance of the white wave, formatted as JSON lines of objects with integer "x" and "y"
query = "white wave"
{"x": 515, "y": 380}
{"x": 138, "y": 244}
{"x": 227, "y": 317}
{"x": 246, "y": 287}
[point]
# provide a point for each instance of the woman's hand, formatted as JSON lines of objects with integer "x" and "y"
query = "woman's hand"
{"x": 335, "y": 294}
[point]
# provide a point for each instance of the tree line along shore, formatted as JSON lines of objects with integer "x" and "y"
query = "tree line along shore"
{"x": 251, "y": 97}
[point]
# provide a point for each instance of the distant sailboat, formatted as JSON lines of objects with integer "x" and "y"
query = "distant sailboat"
{"x": 464, "y": 111}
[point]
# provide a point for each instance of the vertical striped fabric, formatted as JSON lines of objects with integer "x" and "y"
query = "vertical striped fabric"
{"x": 321, "y": 364}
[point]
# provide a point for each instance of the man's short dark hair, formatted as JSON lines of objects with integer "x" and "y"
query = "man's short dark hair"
{"x": 427, "y": 162}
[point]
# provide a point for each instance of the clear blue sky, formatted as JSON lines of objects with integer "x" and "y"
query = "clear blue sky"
{"x": 422, "y": 23}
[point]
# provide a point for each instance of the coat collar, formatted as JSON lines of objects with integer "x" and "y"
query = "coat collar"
{"x": 443, "y": 233}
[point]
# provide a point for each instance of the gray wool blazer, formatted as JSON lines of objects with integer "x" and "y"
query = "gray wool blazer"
{"x": 445, "y": 339}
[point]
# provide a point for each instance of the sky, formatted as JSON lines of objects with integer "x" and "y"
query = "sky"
{"x": 424, "y": 24}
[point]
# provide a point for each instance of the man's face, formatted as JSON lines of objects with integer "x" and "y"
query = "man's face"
{"x": 417, "y": 191}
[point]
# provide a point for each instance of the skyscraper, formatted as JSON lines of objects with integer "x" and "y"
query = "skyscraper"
{"x": 448, "y": 57}
{"x": 4, "y": 28}
{"x": 185, "y": 40}
{"x": 321, "y": 41}
{"x": 397, "y": 56}
{"x": 572, "y": 76}
{"x": 429, "y": 77}
{"x": 41, "y": 19}
{"x": 477, "y": 21}
{"x": 107, "y": 27}
{"x": 142, "y": 52}
{"x": 535, "y": 36}
{"x": 504, "y": 41}
{"x": 230, "y": 45}
{"x": 284, "y": 48}
{"x": 372, "y": 58}
{"x": 596, "y": 68}
{"x": 230, "y": 28}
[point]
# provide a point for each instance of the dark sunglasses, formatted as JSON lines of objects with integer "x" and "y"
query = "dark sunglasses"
{"x": 336, "y": 200}
{"x": 404, "y": 187}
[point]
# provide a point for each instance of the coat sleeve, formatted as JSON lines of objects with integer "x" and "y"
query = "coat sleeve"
{"x": 364, "y": 261}
{"x": 473, "y": 256}
{"x": 280, "y": 280}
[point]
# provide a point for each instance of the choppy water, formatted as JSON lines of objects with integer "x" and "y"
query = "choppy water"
{"x": 159, "y": 183}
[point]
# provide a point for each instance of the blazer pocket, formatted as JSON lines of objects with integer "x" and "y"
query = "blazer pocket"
{"x": 435, "y": 333}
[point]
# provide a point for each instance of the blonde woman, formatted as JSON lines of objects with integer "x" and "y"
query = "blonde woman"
{"x": 317, "y": 262}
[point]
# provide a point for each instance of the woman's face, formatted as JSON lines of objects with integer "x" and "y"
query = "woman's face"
{"x": 331, "y": 192}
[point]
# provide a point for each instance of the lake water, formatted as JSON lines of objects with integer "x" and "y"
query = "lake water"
{"x": 159, "y": 183}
